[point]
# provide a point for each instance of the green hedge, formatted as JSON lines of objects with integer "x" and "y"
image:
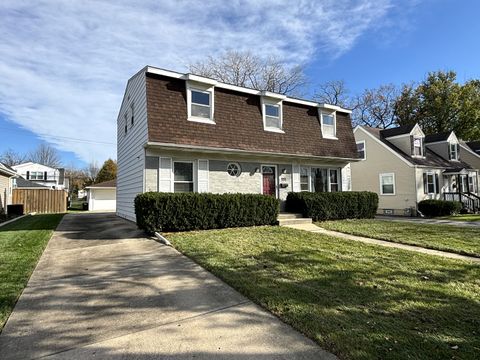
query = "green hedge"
{"x": 439, "y": 207}
{"x": 334, "y": 206}
{"x": 194, "y": 211}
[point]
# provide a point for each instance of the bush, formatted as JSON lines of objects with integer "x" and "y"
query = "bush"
{"x": 334, "y": 206}
{"x": 439, "y": 207}
{"x": 198, "y": 211}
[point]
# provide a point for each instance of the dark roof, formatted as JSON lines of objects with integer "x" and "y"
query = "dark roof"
{"x": 443, "y": 136}
{"x": 406, "y": 129}
{"x": 239, "y": 124}
{"x": 431, "y": 158}
{"x": 22, "y": 183}
{"x": 105, "y": 184}
{"x": 4, "y": 168}
{"x": 474, "y": 145}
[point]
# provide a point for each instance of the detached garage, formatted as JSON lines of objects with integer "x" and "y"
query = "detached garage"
{"x": 102, "y": 196}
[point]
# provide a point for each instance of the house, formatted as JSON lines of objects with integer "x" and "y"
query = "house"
{"x": 471, "y": 153}
{"x": 404, "y": 166}
{"x": 186, "y": 133}
{"x": 6, "y": 176}
{"x": 102, "y": 196}
{"x": 43, "y": 175}
{"x": 82, "y": 193}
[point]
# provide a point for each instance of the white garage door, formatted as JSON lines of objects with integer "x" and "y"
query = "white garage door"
{"x": 103, "y": 199}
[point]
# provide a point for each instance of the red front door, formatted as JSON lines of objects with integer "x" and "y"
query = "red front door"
{"x": 268, "y": 173}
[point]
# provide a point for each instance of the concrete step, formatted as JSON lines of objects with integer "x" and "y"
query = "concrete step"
{"x": 289, "y": 216}
{"x": 295, "y": 221}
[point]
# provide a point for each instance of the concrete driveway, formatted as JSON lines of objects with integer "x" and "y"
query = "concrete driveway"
{"x": 103, "y": 291}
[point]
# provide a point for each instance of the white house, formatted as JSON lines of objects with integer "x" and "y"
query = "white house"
{"x": 6, "y": 176}
{"x": 43, "y": 175}
{"x": 102, "y": 196}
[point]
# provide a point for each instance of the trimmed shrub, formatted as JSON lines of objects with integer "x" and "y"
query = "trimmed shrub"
{"x": 439, "y": 207}
{"x": 199, "y": 211}
{"x": 334, "y": 205}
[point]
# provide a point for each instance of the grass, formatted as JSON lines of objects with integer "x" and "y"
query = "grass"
{"x": 21, "y": 244}
{"x": 465, "y": 217}
{"x": 460, "y": 240}
{"x": 356, "y": 300}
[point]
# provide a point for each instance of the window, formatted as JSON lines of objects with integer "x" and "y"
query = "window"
{"x": 453, "y": 151}
{"x": 431, "y": 183}
{"x": 334, "y": 183}
{"x": 304, "y": 180}
{"x": 36, "y": 175}
{"x": 417, "y": 147}
{"x": 132, "y": 117}
{"x": 272, "y": 115}
{"x": 233, "y": 169}
{"x": 472, "y": 183}
{"x": 152, "y": 167}
{"x": 328, "y": 125}
{"x": 361, "y": 150}
{"x": 319, "y": 180}
{"x": 387, "y": 184}
{"x": 126, "y": 123}
{"x": 182, "y": 176}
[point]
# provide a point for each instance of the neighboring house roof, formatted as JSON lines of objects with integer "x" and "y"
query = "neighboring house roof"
{"x": 475, "y": 146}
{"x": 431, "y": 159}
{"x": 22, "y": 183}
{"x": 400, "y": 130}
{"x": 7, "y": 170}
{"x": 239, "y": 123}
{"x": 443, "y": 136}
{"x": 106, "y": 184}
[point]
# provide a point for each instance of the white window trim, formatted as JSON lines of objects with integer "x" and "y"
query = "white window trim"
{"x": 450, "y": 151}
{"x": 276, "y": 178}
{"x": 204, "y": 89}
{"x": 280, "y": 115}
{"x": 194, "y": 176}
{"x": 422, "y": 141}
{"x": 309, "y": 175}
{"x": 435, "y": 190}
{"x": 334, "y": 114}
{"x": 381, "y": 184}
{"x": 364, "y": 149}
{"x": 329, "y": 184}
{"x": 339, "y": 180}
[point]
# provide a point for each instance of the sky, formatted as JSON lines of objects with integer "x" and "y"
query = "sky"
{"x": 64, "y": 64}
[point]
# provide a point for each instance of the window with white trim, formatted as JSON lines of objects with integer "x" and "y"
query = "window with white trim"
{"x": 182, "y": 176}
{"x": 36, "y": 175}
{"x": 304, "y": 179}
{"x": 418, "y": 146}
{"x": 361, "y": 150}
{"x": 431, "y": 183}
{"x": 334, "y": 182}
{"x": 387, "y": 184}
{"x": 472, "y": 183}
{"x": 200, "y": 103}
{"x": 328, "y": 125}
{"x": 272, "y": 115}
{"x": 453, "y": 148}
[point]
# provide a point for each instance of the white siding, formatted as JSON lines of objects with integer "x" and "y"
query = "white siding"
{"x": 130, "y": 151}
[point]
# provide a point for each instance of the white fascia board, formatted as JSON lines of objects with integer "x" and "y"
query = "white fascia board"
{"x": 419, "y": 128}
{"x": 100, "y": 187}
{"x": 209, "y": 149}
{"x": 192, "y": 77}
{"x": 385, "y": 146}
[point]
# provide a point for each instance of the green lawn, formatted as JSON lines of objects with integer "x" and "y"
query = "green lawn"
{"x": 21, "y": 244}
{"x": 464, "y": 217}
{"x": 460, "y": 240}
{"x": 356, "y": 300}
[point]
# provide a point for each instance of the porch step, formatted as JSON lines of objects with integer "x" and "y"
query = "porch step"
{"x": 294, "y": 221}
{"x": 289, "y": 216}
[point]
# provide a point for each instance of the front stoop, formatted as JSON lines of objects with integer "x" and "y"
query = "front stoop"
{"x": 292, "y": 219}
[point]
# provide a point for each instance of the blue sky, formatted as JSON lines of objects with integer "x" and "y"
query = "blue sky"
{"x": 64, "y": 65}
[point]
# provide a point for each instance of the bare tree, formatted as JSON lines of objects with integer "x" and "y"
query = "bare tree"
{"x": 248, "y": 70}
{"x": 376, "y": 107}
{"x": 91, "y": 172}
{"x": 46, "y": 155}
{"x": 333, "y": 92}
{"x": 11, "y": 157}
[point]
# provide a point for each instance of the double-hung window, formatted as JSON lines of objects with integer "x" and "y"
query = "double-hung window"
{"x": 272, "y": 115}
{"x": 200, "y": 103}
{"x": 36, "y": 175}
{"x": 328, "y": 125}
{"x": 182, "y": 176}
{"x": 334, "y": 180}
{"x": 387, "y": 184}
{"x": 453, "y": 148}
{"x": 304, "y": 179}
{"x": 431, "y": 183}
{"x": 417, "y": 146}
{"x": 361, "y": 150}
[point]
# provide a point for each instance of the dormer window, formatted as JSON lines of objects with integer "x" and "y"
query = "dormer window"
{"x": 453, "y": 151}
{"x": 329, "y": 130}
{"x": 200, "y": 103}
{"x": 417, "y": 146}
{"x": 272, "y": 115}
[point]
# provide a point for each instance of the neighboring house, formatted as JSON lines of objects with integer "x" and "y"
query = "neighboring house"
{"x": 82, "y": 193}
{"x": 21, "y": 183}
{"x": 102, "y": 196}
{"x": 6, "y": 176}
{"x": 186, "y": 133}
{"x": 471, "y": 153}
{"x": 43, "y": 175}
{"x": 405, "y": 167}
{"x": 474, "y": 146}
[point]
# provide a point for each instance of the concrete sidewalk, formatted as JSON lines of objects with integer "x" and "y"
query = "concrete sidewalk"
{"x": 419, "y": 220}
{"x": 101, "y": 290}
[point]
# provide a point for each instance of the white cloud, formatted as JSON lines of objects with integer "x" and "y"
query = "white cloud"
{"x": 64, "y": 64}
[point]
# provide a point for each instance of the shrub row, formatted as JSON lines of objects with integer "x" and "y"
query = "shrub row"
{"x": 195, "y": 211}
{"x": 439, "y": 207}
{"x": 333, "y": 206}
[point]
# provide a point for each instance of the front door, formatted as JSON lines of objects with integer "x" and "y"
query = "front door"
{"x": 268, "y": 174}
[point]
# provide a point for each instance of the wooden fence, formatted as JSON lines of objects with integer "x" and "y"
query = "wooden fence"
{"x": 41, "y": 200}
